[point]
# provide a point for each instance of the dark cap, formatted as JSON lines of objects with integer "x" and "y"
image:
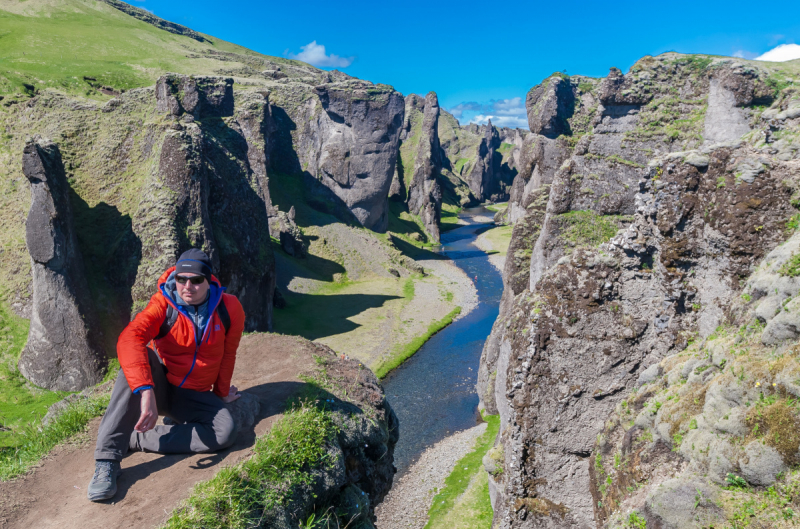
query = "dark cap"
{"x": 194, "y": 261}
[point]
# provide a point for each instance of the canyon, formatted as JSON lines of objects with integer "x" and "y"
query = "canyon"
{"x": 643, "y": 365}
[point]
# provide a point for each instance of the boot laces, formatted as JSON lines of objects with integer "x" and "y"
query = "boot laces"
{"x": 103, "y": 471}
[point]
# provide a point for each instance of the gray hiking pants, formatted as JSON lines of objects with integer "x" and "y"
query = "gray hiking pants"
{"x": 204, "y": 424}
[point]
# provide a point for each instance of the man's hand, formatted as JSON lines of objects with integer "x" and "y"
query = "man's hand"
{"x": 149, "y": 416}
{"x": 233, "y": 394}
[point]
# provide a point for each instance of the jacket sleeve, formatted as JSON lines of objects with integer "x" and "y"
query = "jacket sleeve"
{"x": 132, "y": 343}
{"x": 223, "y": 383}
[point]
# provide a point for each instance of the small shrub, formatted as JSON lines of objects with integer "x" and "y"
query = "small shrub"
{"x": 791, "y": 268}
{"x": 736, "y": 482}
{"x": 636, "y": 521}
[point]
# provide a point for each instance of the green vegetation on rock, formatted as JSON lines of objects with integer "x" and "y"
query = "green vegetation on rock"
{"x": 283, "y": 461}
{"x": 588, "y": 229}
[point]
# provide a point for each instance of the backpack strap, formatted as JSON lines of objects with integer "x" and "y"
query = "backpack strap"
{"x": 172, "y": 317}
{"x": 169, "y": 321}
{"x": 224, "y": 315}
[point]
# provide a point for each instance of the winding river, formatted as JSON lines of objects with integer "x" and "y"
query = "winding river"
{"x": 433, "y": 393}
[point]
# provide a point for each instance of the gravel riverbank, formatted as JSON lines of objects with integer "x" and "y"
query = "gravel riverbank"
{"x": 406, "y": 506}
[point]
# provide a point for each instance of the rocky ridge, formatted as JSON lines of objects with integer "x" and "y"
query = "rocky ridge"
{"x": 681, "y": 157}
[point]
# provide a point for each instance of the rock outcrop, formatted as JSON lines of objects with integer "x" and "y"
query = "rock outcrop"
{"x": 202, "y": 97}
{"x": 63, "y": 352}
{"x": 586, "y": 315}
{"x": 346, "y": 135}
{"x": 417, "y": 178}
{"x": 210, "y": 191}
{"x": 481, "y": 177}
{"x": 424, "y": 191}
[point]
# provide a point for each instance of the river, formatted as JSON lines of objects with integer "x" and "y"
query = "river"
{"x": 433, "y": 393}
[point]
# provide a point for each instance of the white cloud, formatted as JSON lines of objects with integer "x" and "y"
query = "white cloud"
{"x": 459, "y": 109}
{"x": 502, "y": 112}
{"x": 784, "y": 52}
{"x": 501, "y": 121}
{"x": 314, "y": 54}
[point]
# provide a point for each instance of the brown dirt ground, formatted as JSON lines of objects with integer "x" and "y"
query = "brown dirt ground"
{"x": 152, "y": 485}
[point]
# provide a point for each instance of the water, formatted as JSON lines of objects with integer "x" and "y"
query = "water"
{"x": 433, "y": 393}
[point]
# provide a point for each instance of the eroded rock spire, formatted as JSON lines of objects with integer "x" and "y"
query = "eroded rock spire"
{"x": 63, "y": 352}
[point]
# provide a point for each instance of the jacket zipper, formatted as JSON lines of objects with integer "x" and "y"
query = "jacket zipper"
{"x": 197, "y": 344}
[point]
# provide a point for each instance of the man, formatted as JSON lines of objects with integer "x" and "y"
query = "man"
{"x": 195, "y": 329}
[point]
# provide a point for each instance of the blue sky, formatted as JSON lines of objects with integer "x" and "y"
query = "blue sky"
{"x": 485, "y": 56}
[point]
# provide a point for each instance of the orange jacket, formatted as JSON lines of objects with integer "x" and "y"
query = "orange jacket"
{"x": 189, "y": 365}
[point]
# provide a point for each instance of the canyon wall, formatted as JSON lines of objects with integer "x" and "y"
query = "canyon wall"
{"x": 643, "y": 203}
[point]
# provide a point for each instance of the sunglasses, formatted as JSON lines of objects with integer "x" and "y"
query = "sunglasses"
{"x": 195, "y": 280}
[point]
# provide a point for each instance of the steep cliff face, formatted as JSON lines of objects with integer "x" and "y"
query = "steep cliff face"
{"x": 63, "y": 352}
{"x": 417, "y": 178}
{"x": 345, "y": 134}
{"x": 206, "y": 194}
{"x": 584, "y": 314}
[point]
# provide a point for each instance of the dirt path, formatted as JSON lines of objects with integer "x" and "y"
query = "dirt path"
{"x": 54, "y": 494}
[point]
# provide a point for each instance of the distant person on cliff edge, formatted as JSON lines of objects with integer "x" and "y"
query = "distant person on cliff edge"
{"x": 177, "y": 358}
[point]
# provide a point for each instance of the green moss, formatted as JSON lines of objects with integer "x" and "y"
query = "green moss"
{"x": 449, "y": 510}
{"x": 588, "y": 229}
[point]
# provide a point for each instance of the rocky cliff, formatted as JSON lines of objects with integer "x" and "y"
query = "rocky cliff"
{"x": 643, "y": 204}
{"x": 417, "y": 180}
{"x": 63, "y": 351}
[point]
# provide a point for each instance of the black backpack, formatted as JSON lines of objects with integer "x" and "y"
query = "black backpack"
{"x": 172, "y": 317}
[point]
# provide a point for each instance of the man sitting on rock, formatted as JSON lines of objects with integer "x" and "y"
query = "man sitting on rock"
{"x": 195, "y": 329}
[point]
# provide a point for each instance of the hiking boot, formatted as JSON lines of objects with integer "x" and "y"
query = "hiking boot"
{"x": 104, "y": 482}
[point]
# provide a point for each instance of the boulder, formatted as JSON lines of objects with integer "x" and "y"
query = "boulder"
{"x": 63, "y": 352}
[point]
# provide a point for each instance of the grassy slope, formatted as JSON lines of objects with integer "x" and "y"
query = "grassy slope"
{"x": 54, "y": 45}
{"x": 496, "y": 240}
{"x": 464, "y": 502}
{"x": 20, "y": 403}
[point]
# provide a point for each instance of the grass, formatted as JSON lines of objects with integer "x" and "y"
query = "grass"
{"x": 499, "y": 238}
{"x": 408, "y": 226}
{"x": 464, "y": 501}
{"x": 401, "y": 353}
{"x": 449, "y": 218}
{"x": 58, "y": 45}
{"x": 283, "y": 463}
{"x": 586, "y": 228}
{"x": 34, "y": 444}
{"x": 21, "y": 404}
{"x": 329, "y": 311}
{"x": 501, "y": 206}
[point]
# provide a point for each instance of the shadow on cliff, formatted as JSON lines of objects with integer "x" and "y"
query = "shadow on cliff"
{"x": 291, "y": 185}
{"x": 315, "y": 316}
{"x": 239, "y": 223}
{"x": 111, "y": 253}
{"x": 275, "y": 398}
